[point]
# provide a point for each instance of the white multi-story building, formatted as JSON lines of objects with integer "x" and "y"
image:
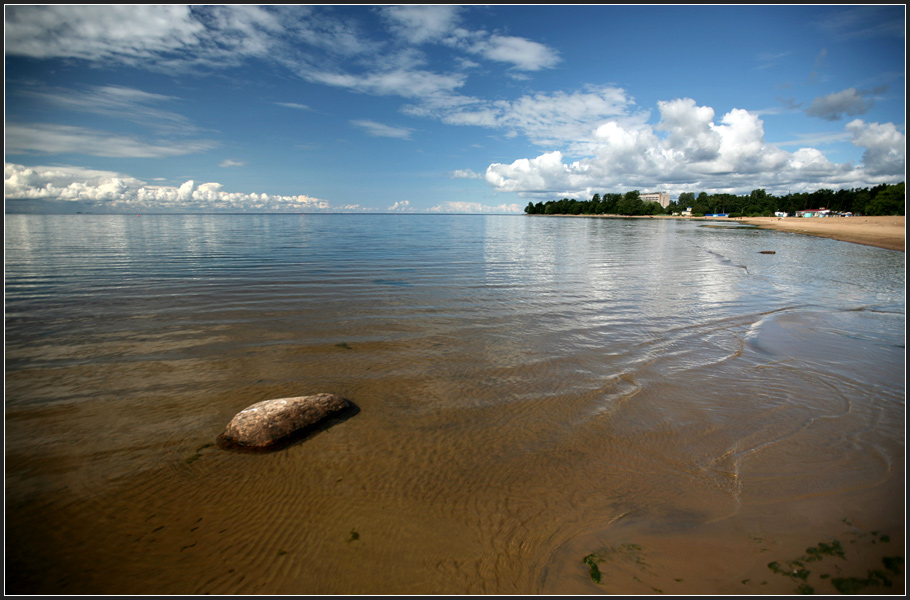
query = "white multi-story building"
{"x": 663, "y": 198}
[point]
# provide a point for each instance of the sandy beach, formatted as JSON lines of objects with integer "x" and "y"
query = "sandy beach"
{"x": 881, "y": 232}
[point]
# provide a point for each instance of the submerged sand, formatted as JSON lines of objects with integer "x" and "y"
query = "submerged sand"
{"x": 528, "y": 401}
{"x": 881, "y": 232}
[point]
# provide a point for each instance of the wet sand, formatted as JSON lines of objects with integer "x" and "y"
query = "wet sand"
{"x": 881, "y": 232}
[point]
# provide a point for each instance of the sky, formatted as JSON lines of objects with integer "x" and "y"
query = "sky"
{"x": 443, "y": 108}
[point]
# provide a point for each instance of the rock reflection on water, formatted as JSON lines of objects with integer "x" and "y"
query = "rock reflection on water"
{"x": 533, "y": 392}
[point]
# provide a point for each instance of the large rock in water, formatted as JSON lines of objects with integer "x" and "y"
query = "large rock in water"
{"x": 272, "y": 423}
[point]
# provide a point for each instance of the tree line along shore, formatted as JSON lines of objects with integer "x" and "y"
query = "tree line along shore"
{"x": 880, "y": 200}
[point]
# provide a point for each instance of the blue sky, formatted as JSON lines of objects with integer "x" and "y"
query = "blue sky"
{"x": 443, "y": 108}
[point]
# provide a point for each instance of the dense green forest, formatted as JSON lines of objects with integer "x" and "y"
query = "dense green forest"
{"x": 880, "y": 200}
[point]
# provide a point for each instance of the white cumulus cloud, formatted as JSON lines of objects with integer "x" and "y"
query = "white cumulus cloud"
{"x": 546, "y": 119}
{"x": 689, "y": 150}
{"x": 110, "y": 191}
{"x": 885, "y": 147}
{"x": 401, "y": 206}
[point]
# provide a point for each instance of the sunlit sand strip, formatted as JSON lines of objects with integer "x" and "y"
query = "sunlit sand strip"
{"x": 881, "y": 232}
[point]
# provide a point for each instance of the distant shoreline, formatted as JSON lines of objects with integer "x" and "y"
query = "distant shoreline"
{"x": 880, "y": 232}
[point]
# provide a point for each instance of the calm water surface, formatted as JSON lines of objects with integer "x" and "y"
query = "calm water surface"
{"x": 654, "y": 396}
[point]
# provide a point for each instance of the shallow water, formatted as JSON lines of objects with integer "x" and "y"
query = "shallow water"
{"x": 653, "y": 394}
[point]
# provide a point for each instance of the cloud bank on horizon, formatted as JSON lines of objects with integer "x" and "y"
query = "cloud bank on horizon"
{"x": 443, "y": 108}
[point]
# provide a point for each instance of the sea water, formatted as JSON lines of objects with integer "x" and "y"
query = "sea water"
{"x": 546, "y": 405}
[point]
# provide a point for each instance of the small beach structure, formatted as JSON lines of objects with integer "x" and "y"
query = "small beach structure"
{"x": 813, "y": 212}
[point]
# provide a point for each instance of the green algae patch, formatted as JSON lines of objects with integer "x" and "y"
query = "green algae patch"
{"x": 792, "y": 568}
{"x": 842, "y": 581}
{"x": 893, "y": 563}
{"x": 857, "y": 585}
{"x": 590, "y": 560}
{"x": 622, "y": 556}
{"x": 844, "y": 563}
{"x": 824, "y": 549}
